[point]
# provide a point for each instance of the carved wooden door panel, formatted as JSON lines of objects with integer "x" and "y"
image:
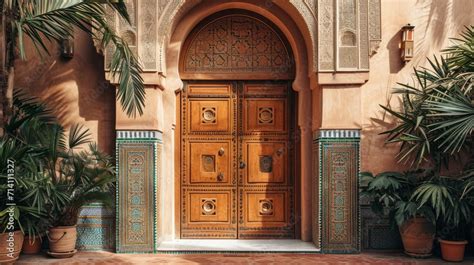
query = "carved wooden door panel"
{"x": 266, "y": 207}
{"x": 208, "y": 179}
{"x": 236, "y": 179}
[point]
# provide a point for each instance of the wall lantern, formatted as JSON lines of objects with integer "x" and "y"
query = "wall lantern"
{"x": 407, "y": 42}
{"x": 67, "y": 48}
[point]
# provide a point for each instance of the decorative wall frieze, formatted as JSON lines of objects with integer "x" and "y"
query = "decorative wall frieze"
{"x": 336, "y": 133}
{"x": 349, "y": 32}
{"x": 152, "y": 22}
{"x": 165, "y": 18}
{"x": 138, "y": 155}
{"x": 230, "y": 47}
{"x": 148, "y": 37}
{"x": 134, "y": 135}
{"x": 309, "y": 11}
{"x": 337, "y": 188}
{"x": 326, "y": 30}
{"x": 375, "y": 25}
{"x": 344, "y": 33}
{"x": 155, "y": 20}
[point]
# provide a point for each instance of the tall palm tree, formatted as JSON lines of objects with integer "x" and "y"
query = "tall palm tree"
{"x": 44, "y": 21}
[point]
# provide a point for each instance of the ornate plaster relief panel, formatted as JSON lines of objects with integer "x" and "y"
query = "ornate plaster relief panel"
{"x": 141, "y": 35}
{"x": 232, "y": 47}
{"x": 151, "y": 24}
{"x": 349, "y": 32}
{"x": 148, "y": 35}
{"x": 309, "y": 10}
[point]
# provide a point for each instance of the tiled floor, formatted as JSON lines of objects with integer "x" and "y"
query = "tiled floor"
{"x": 84, "y": 258}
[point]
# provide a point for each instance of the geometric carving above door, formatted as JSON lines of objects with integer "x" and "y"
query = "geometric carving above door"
{"x": 230, "y": 45}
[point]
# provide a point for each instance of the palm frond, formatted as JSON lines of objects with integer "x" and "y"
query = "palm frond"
{"x": 455, "y": 119}
{"x": 54, "y": 20}
{"x": 78, "y": 135}
{"x": 435, "y": 195}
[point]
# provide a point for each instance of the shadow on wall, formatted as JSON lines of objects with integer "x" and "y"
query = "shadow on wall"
{"x": 75, "y": 89}
{"x": 393, "y": 47}
{"x": 438, "y": 20}
{"x": 435, "y": 21}
{"x": 374, "y": 141}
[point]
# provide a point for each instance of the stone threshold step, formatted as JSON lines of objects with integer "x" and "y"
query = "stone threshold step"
{"x": 232, "y": 245}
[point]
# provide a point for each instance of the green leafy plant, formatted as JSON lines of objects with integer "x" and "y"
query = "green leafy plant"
{"x": 86, "y": 176}
{"x": 29, "y": 213}
{"x": 30, "y": 189}
{"x": 434, "y": 129}
{"x": 436, "y": 119}
{"x": 75, "y": 175}
{"x": 55, "y": 175}
{"x": 52, "y": 21}
{"x": 391, "y": 194}
{"x": 452, "y": 201}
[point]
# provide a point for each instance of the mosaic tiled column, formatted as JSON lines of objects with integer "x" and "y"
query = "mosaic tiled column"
{"x": 138, "y": 160}
{"x": 96, "y": 228}
{"x": 338, "y": 153}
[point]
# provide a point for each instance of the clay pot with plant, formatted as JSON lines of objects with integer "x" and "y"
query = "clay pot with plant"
{"x": 11, "y": 240}
{"x": 390, "y": 195}
{"x": 433, "y": 128}
{"x": 58, "y": 171}
{"x": 452, "y": 199}
{"x": 21, "y": 190}
{"x": 37, "y": 194}
{"x": 80, "y": 176}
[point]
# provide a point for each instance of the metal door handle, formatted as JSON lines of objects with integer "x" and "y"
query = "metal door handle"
{"x": 242, "y": 165}
{"x": 220, "y": 176}
{"x": 280, "y": 152}
{"x": 221, "y": 151}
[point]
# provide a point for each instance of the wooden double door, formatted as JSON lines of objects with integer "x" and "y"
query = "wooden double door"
{"x": 237, "y": 177}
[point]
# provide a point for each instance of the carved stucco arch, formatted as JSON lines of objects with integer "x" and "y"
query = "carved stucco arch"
{"x": 185, "y": 15}
{"x": 186, "y": 19}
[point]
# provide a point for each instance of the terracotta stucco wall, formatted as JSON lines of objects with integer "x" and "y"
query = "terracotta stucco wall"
{"x": 75, "y": 89}
{"x": 436, "y": 21}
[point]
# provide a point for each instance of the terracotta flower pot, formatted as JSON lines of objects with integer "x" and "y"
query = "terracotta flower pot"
{"x": 452, "y": 250}
{"x": 31, "y": 246}
{"x": 62, "y": 239}
{"x": 417, "y": 236}
{"x": 10, "y": 246}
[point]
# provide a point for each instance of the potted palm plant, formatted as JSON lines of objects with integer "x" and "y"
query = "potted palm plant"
{"x": 11, "y": 241}
{"x": 57, "y": 175}
{"x": 18, "y": 152}
{"x": 80, "y": 177}
{"x": 17, "y": 214}
{"x": 37, "y": 192}
{"x": 452, "y": 199}
{"x": 20, "y": 147}
{"x": 435, "y": 125}
{"x": 14, "y": 213}
{"x": 391, "y": 195}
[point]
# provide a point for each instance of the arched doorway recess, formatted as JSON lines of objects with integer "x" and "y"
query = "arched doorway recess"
{"x": 237, "y": 150}
{"x": 297, "y": 36}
